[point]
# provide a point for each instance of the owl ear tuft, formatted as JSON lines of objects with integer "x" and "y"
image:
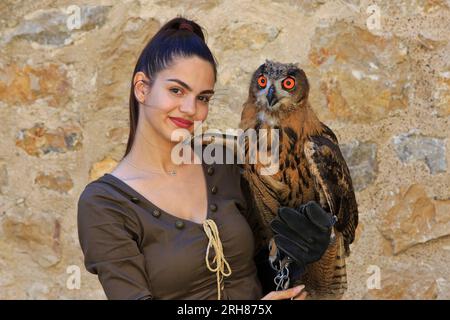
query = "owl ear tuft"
{"x": 269, "y": 62}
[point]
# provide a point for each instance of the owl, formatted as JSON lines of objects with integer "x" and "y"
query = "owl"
{"x": 310, "y": 168}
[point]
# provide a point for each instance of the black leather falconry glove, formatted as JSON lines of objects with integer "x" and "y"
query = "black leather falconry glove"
{"x": 303, "y": 234}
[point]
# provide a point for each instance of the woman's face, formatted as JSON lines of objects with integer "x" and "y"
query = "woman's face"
{"x": 178, "y": 96}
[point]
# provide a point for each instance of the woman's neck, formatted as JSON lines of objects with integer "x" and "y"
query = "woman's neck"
{"x": 151, "y": 151}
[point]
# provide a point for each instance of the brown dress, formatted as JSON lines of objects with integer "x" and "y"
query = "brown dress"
{"x": 139, "y": 251}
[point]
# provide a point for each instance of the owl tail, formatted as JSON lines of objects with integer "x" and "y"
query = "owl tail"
{"x": 327, "y": 278}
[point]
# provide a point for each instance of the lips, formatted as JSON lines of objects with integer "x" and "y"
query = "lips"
{"x": 180, "y": 122}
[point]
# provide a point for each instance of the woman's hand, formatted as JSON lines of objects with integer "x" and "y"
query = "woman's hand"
{"x": 294, "y": 293}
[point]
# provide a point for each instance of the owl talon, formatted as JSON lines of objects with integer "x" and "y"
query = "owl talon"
{"x": 332, "y": 238}
{"x": 273, "y": 254}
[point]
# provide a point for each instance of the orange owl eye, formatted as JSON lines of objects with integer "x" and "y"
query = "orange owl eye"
{"x": 288, "y": 83}
{"x": 262, "y": 82}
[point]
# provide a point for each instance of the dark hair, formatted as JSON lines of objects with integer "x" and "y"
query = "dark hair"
{"x": 179, "y": 37}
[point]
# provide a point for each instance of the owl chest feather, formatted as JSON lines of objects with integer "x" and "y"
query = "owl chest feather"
{"x": 293, "y": 174}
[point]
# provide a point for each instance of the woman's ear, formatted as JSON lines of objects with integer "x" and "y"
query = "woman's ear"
{"x": 141, "y": 86}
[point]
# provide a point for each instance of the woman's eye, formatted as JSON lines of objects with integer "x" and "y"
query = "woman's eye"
{"x": 177, "y": 91}
{"x": 204, "y": 99}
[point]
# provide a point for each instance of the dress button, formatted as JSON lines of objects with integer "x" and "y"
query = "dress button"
{"x": 211, "y": 171}
{"x": 213, "y": 207}
{"x": 134, "y": 199}
{"x": 156, "y": 213}
{"x": 179, "y": 224}
{"x": 214, "y": 190}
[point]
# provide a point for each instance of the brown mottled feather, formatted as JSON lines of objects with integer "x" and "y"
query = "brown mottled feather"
{"x": 311, "y": 169}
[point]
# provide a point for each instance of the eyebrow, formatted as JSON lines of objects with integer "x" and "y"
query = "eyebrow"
{"x": 186, "y": 86}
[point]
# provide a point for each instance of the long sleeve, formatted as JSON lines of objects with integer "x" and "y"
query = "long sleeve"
{"x": 109, "y": 237}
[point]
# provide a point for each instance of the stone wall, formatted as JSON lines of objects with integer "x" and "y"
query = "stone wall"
{"x": 380, "y": 78}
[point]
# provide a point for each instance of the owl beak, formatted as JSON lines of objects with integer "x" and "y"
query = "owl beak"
{"x": 271, "y": 96}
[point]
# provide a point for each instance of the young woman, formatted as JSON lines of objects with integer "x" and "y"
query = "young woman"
{"x": 152, "y": 229}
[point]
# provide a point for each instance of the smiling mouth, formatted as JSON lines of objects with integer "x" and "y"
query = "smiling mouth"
{"x": 180, "y": 122}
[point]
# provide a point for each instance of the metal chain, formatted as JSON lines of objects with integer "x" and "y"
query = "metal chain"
{"x": 170, "y": 172}
{"x": 282, "y": 279}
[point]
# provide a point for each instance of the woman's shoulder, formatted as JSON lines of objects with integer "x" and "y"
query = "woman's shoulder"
{"x": 99, "y": 194}
{"x": 95, "y": 189}
{"x": 99, "y": 202}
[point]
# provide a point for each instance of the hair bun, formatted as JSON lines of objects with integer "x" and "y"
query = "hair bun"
{"x": 186, "y": 26}
{"x": 180, "y": 23}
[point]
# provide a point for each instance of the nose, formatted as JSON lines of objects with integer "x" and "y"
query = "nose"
{"x": 271, "y": 95}
{"x": 189, "y": 106}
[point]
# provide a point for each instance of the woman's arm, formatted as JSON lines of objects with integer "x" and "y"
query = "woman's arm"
{"x": 109, "y": 238}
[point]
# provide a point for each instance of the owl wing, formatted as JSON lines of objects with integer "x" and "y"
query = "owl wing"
{"x": 332, "y": 177}
{"x": 264, "y": 192}
{"x": 248, "y": 115}
{"x": 261, "y": 207}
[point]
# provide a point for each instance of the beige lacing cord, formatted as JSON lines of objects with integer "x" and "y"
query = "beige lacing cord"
{"x": 212, "y": 233}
